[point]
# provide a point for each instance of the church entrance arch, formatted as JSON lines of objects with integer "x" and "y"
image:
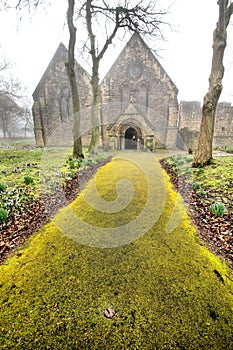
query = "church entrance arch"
{"x": 131, "y": 138}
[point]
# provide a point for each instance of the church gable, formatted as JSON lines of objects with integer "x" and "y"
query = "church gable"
{"x": 56, "y": 64}
{"x": 137, "y": 76}
{"x": 139, "y": 103}
{"x": 52, "y": 97}
{"x": 137, "y": 72}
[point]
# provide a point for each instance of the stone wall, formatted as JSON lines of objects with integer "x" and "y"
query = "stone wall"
{"x": 137, "y": 76}
{"x": 223, "y": 135}
{"x": 52, "y": 108}
{"x": 136, "y": 93}
{"x": 190, "y": 121}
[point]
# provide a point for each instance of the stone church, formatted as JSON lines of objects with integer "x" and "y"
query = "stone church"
{"x": 139, "y": 104}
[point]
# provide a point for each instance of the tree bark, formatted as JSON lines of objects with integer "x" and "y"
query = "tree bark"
{"x": 95, "y": 107}
{"x": 94, "y": 82}
{"x": 4, "y": 124}
{"x": 203, "y": 154}
{"x": 70, "y": 67}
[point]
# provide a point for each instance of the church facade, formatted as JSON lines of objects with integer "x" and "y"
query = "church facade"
{"x": 139, "y": 104}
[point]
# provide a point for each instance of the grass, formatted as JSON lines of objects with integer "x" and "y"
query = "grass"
{"x": 15, "y": 164}
{"x": 26, "y": 173}
{"x": 18, "y": 142}
{"x": 215, "y": 178}
{"x": 168, "y": 291}
{"x": 217, "y": 174}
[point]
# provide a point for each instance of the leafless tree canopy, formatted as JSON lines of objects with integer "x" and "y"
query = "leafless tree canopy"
{"x": 12, "y": 101}
{"x": 20, "y": 4}
{"x": 105, "y": 18}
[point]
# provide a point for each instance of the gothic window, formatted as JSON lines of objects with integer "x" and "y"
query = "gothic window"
{"x": 125, "y": 95}
{"x": 135, "y": 69}
{"x": 70, "y": 108}
{"x": 143, "y": 97}
{"x": 63, "y": 109}
{"x": 65, "y": 103}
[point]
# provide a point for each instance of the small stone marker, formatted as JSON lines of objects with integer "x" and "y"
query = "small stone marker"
{"x": 109, "y": 313}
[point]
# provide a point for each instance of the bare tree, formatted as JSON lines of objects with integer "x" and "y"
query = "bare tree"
{"x": 138, "y": 15}
{"x": 11, "y": 94}
{"x": 135, "y": 16}
{"x": 20, "y": 4}
{"x": 70, "y": 67}
{"x": 10, "y": 115}
{"x": 27, "y": 121}
{"x": 203, "y": 155}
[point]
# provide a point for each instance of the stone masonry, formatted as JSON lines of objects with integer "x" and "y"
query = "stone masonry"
{"x": 142, "y": 96}
{"x": 139, "y": 105}
{"x": 190, "y": 120}
{"x": 52, "y": 108}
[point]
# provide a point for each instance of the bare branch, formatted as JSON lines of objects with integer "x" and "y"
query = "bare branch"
{"x": 4, "y": 65}
{"x": 19, "y": 5}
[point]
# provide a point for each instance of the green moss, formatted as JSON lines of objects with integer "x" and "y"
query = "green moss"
{"x": 169, "y": 292}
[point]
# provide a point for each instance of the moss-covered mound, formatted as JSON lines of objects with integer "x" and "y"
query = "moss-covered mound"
{"x": 168, "y": 291}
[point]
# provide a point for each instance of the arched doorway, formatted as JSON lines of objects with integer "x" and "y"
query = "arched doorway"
{"x": 131, "y": 138}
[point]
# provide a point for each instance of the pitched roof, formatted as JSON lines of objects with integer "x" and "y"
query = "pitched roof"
{"x": 61, "y": 51}
{"x": 135, "y": 37}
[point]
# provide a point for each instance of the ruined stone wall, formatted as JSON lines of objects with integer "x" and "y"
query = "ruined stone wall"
{"x": 190, "y": 121}
{"x": 189, "y": 124}
{"x": 223, "y": 134}
{"x": 190, "y": 115}
{"x": 52, "y": 109}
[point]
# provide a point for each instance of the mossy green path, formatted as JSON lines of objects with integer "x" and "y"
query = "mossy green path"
{"x": 168, "y": 291}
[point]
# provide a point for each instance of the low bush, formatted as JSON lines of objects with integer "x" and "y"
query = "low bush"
{"x": 3, "y": 215}
{"x": 71, "y": 164}
{"x": 218, "y": 209}
{"x": 202, "y": 193}
{"x": 28, "y": 180}
{"x": 79, "y": 162}
{"x": 2, "y": 187}
{"x": 196, "y": 186}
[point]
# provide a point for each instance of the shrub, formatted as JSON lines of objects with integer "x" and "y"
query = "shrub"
{"x": 79, "y": 162}
{"x": 3, "y": 216}
{"x": 202, "y": 193}
{"x": 28, "y": 180}
{"x": 2, "y": 187}
{"x": 218, "y": 209}
{"x": 71, "y": 164}
{"x": 196, "y": 186}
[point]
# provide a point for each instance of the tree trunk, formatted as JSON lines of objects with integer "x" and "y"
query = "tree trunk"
{"x": 95, "y": 107}
{"x": 4, "y": 133}
{"x": 94, "y": 81}
{"x": 203, "y": 155}
{"x": 70, "y": 67}
{"x": 4, "y": 124}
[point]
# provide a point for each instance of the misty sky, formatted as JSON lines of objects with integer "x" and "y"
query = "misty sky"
{"x": 186, "y": 54}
